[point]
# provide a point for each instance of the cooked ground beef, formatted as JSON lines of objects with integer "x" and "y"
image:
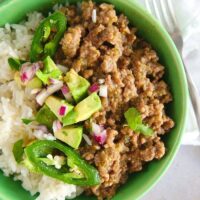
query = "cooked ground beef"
{"x": 109, "y": 49}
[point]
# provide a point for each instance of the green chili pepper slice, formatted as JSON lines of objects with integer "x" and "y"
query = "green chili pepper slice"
{"x": 75, "y": 171}
{"x": 18, "y": 151}
{"x": 47, "y": 36}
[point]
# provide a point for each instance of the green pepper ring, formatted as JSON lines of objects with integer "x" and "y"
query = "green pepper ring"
{"x": 40, "y": 49}
{"x": 42, "y": 148}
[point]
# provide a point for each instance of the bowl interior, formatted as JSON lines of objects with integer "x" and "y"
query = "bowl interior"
{"x": 148, "y": 28}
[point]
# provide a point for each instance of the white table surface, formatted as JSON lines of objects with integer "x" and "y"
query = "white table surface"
{"x": 182, "y": 180}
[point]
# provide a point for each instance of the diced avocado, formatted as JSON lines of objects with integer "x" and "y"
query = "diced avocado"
{"x": 83, "y": 110}
{"x": 78, "y": 85}
{"x": 45, "y": 77}
{"x": 34, "y": 83}
{"x": 46, "y": 117}
{"x": 70, "y": 118}
{"x": 71, "y": 135}
{"x": 87, "y": 107}
{"x": 54, "y": 103}
{"x": 49, "y": 65}
{"x": 15, "y": 63}
{"x": 50, "y": 71}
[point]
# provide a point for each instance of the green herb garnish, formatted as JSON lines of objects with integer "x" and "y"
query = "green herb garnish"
{"x": 15, "y": 63}
{"x": 134, "y": 120}
{"x": 27, "y": 121}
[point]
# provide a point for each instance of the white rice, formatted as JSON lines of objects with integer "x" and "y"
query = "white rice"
{"x": 15, "y": 40}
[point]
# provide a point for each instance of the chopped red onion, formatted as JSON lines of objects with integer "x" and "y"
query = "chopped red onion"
{"x": 56, "y": 125}
{"x": 66, "y": 93}
{"x": 68, "y": 97}
{"x": 101, "y": 137}
{"x": 62, "y": 110}
{"x": 42, "y": 128}
{"x": 94, "y": 88}
{"x": 53, "y": 81}
{"x": 101, "y": 81}
{"x": 99, "y": 133}
{"x": 25, "y": 66}
{"x": 54, "y": 87}
{"x": 41, "y": 97}
{"x": 96, "y": 128}
{"x": 62, "y": 68}
{"x": 103, "y": 91}
{"x": 102, "y": 127}
{"x": 35, "y": 91}
{"x": 87, "y": 139}
{"x": 37, "y": 65}
{"x": 24, "y": 77}
{"x": 28, "y": 71}
{"x": 64, "y": 89}
{"x": 94, "y": 15}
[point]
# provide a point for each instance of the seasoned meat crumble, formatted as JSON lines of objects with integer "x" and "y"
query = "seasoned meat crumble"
{"x": 109, "y": 49}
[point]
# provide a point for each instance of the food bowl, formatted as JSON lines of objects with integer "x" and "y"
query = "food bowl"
{"x": 148, "y": 28}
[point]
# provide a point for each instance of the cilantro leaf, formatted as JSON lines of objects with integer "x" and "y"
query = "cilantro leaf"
{"x": 70, "y": 118}
{"x": 146, "y": 130}
{"x": 134, "y": 120}
{"x": 27, "y": 121}
{"x": 15, "y": 63}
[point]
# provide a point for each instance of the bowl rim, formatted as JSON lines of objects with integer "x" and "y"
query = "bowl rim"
{"x": 176, "y": 57}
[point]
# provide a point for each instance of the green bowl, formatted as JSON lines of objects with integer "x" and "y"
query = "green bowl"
{"x": 148, "y": 28}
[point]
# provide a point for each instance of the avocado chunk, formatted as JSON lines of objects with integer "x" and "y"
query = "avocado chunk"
{"x": 34, "y": 83}
{"x": 70, "y": 118}
{"x": 71, "y": 135}
{"x": 50, "y": 71}
{"x": 78, "y": 85}
{"x": 54, "y": 104}
{"x": 49, "y": 65}
{"x": 45, "y": 116}
{"x": 87, "y": 107}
